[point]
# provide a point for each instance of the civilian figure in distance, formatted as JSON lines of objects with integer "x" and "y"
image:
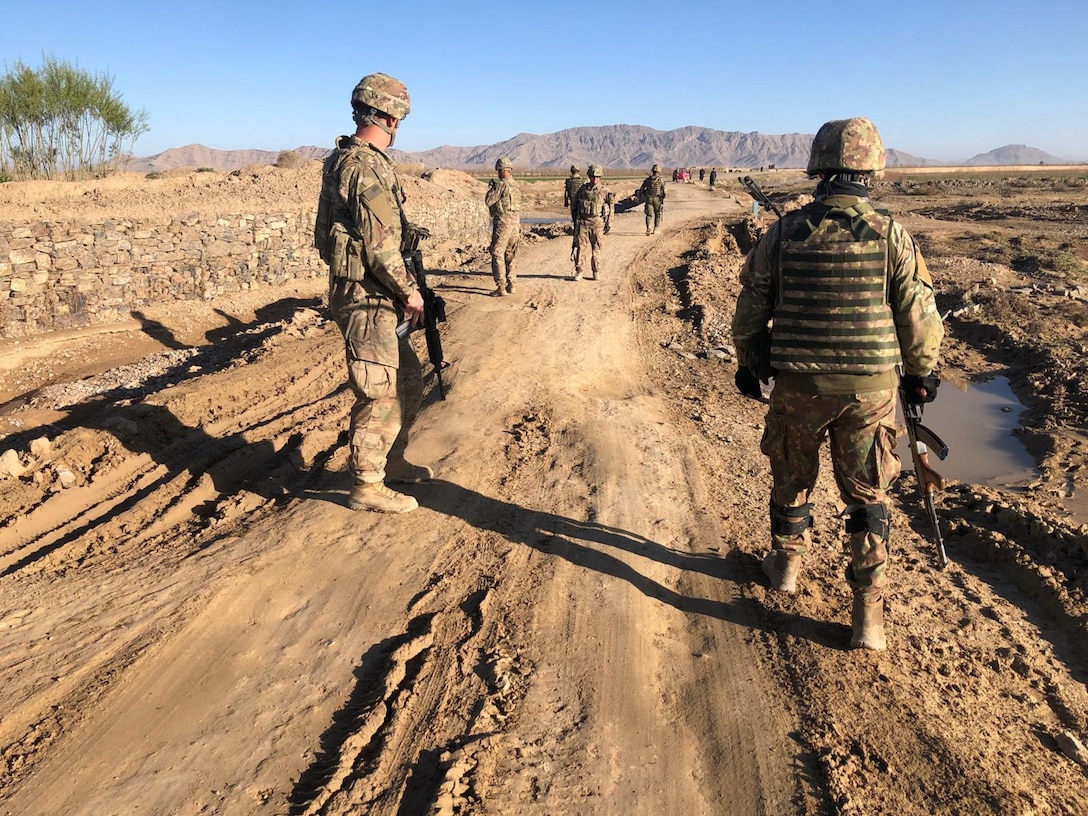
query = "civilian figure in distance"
{"x": 591, "y": 210}
{"x": 834, "y": 296}
{"x": 652, "y": 193}
{"x": 503, "y": 200}
{"x": 359, "y": 232}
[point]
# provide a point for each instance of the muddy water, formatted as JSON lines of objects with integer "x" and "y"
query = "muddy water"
{"x": 977, "y": 423}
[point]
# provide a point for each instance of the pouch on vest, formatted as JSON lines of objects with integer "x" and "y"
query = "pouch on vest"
{"x": 347, "y": 261}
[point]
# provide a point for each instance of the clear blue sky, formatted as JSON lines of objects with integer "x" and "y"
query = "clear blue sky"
{"x": 942, "y": 80}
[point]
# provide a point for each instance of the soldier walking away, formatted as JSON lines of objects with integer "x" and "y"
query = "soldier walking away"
{"x": 850, "y": 298}
{"x": 571, "y": 187}
{"x": 652, "y": 193}
{"x": 702, "y": 174}
{"x": 359, "y": 232}
{"x": 713, "y": 176}
{"x": 503, "y": 199}
{"x": 590, "y": 210}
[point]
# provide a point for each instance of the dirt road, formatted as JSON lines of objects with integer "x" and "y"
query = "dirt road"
{"x": 573, "y": 622}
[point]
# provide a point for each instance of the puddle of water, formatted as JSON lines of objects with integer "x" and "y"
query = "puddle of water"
{"x": 538, "y": 222}
{"x": 977, "y": 424}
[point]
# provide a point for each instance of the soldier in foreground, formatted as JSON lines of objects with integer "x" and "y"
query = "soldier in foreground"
{"x": 652, "y": 193}
{"x": 591, "y": 210}
{"x": 503, "y": 199}
{"x": 850, "y": 298}
{"x": 571, "y": 187}
{"x": 359, "y": 233}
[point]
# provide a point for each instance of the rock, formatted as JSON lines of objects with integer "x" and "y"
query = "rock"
{"x": 40, "y": 447}
{"x": 10, "y": 465}
{"x": 65, "y": 478}
{"x": 1073, "y": 748}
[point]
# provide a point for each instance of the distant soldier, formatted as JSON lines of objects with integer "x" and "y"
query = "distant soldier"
{"x": 503, "y": 199}
{"x": 573, "y": 184}
{"x": 652, "y": 193}
{"x": 590, "y": 211}
{"x": 833, "y": 297}
{"x": 713, "y": 176}
{"x": 702, "y": 173}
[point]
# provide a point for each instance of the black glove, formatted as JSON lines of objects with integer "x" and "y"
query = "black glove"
{"x": 918, "y": 390}
{"x": 747, "y": 383}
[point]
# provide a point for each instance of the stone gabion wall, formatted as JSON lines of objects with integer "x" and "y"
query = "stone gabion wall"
{"x": 63, "y": 275}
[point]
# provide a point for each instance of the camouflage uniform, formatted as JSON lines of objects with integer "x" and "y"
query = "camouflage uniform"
{"x": 590, "y": 209}
{"x": 571, "y": 187}
{"x": 652, "y": 193}
{"x": 850, "y": 298}
{"x": 503, "y": 199}
{"x": 368, "y": 284}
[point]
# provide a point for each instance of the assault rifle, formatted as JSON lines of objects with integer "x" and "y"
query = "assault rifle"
{"x": 922, "y": 441}
{"x": 434, "y": 307}
{"x": 574, "y": 245}
{"x": 759, "y": 195}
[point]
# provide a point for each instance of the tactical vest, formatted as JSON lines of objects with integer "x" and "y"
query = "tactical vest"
{"x": 588, "y": 203}
{"x": 832, "y": 315}
{"x": 654, "y": 187}
{"x": 573, "y": 185}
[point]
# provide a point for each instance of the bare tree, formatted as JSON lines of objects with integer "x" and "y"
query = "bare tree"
{"x": 61, "y": 121}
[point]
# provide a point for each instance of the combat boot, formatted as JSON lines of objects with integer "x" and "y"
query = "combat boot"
{"x": 510, "y": 288}
{"x": 576, "y": 276}
{"x": 404, "y": 472}
{"x": 498, "y": 292}
{"x": 867, "y": 622}
{"x": 379, "y": 498}
{"x": 782, "y": 568}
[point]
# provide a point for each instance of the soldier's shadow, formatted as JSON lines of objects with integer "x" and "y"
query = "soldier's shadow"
{"x": 587, "y": 543}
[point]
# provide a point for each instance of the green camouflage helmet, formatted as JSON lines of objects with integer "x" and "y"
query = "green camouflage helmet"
{"x": 847, "y": 145}
{"x": 595, "y": 171}
{"x": 383, "y": 93}
{"x": 503, "y": 164}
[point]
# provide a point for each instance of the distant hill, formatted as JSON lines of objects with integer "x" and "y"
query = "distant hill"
{"x": 1013, "y": 154}
{"x": 627, "y": 146}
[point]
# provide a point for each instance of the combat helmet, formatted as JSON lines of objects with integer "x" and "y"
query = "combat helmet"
{"x": 847, "y": 146}
{"x": 382, "y": 93}
{"x": 573, "y": 169}
{"x": 595, "y": 171}
{"x": 655, "y": 169}
{"x": 503, "y": 164}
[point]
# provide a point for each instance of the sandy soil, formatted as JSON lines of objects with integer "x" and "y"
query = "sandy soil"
{"x": 574, "y": 621}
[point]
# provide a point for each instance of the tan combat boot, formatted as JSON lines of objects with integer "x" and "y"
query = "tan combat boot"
{"x": 381, "y": 499}
{"x": 510, "y": 288}
{"x": 498, "y": 292}
{"x": 399, "y": 470}
{"x": 782, "y": 568}
{"x": 867, "y": 621}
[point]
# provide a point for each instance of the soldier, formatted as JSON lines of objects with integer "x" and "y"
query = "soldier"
{"x": 359, "y": 232}
{"x": 504, "y": 201}
{"x": 850, "y": 298}
{"x": 571, "y": 187}
{"x": 713, "y": 176}
{"x": 590, "y": 209}
{"x": 652, "y": 193}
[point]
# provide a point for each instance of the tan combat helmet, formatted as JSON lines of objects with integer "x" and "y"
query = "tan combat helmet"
{"x": 595, "y": 171}
{"x": 655, "y": 169}
{"x": 573, "y": 169}
{"x": 381, "y": 93}
{"x": 847, "y": 146}
{"x": 503, "y": 164}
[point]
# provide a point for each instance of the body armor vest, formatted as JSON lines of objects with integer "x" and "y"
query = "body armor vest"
{"x": 832, "y": 314}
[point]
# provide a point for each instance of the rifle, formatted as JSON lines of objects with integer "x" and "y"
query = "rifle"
{"x": 574, "y": 245}
{"x": 759, "y": 195}
{"x": 434, "y": 307}
{"x": 922, "y": 441}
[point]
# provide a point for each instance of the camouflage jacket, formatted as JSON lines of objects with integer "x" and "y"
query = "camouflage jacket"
{"x": 825, "y": 317}
{"x": 652, "y": 187}
{"x": 591, "y": 202}
{"x": 503, "y": 199}
{"x": 360, "y": 221}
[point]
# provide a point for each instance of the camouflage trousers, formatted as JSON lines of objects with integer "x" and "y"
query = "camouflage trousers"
{"x": 653, "y": 207}
{"x": 862, "y": 433}
{"x": 589, "y": 233}
{"x": 505, "y": 239}
{"x": 387, "y": 398}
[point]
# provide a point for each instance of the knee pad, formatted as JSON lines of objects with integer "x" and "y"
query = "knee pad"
{"x": 790, "y": 522}
{"x": 870, "y": 518}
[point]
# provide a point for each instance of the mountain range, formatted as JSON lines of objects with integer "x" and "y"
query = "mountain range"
{"x": 618, "y": 146}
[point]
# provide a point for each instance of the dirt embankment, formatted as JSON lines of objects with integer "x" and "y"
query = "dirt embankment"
{"x": 574, "y": 621}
